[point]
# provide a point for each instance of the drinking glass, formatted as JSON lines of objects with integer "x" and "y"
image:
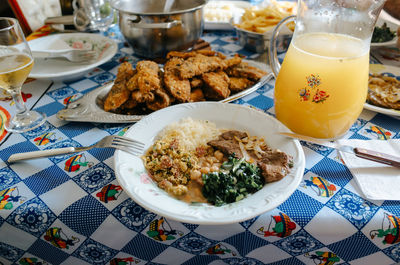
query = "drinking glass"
{"x": 16, "y": 62}
{"x": 322, "y": 85}
{"x": 100, "y": 13}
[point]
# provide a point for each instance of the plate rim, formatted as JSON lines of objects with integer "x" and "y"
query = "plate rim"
{"x": 387, "y": 111}
{"x": 83, "y": 67}
{"x": 297, "y": 178}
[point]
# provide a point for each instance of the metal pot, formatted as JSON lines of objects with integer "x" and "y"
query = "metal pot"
{"x": 153, "y": 28}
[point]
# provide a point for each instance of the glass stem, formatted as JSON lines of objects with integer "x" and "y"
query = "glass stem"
{"x": 19, "y": 103}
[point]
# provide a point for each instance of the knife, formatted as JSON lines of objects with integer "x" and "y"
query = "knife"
{"x": 359, "y": 152}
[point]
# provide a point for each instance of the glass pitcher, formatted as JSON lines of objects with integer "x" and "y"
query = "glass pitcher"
{"x": 322, "y": 84}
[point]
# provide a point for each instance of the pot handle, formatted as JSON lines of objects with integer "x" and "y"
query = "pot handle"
{"x": 165, "y": 25}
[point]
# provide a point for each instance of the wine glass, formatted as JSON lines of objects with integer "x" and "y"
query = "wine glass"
{"x": 100, "y": 13}
{"x": 16, "y": 62}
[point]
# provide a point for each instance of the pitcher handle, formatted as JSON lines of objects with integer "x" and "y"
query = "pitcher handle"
{"x": 273, "y": 56}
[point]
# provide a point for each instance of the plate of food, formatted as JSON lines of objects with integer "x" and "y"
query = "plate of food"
{"x": 210, "y": 163}
{"x": 185, "y": 77}
{"x": 385, "y": 33}
{"x": 384, "y": 90}
{"x": 61, "y": 68}
{"x": 217, "y": 14}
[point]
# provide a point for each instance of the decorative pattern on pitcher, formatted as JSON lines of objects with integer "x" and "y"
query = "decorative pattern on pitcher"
{"x": 313, "y": 81}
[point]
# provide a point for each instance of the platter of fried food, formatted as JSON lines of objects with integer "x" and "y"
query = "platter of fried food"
{"x": 185, "y": 77}
{"x": 263, "y": 19}
{"x": 384, "y": 90}
{"x": 210, "y": 163}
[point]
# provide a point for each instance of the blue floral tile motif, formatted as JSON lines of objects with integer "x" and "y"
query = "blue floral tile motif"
{"x": 352, "y": 207}
{"x": 133, "y": 216}
{"x": 103, "y": 77}
{"x": 8, "y": 178}
{"x": 393, "y": 252}
{"x": 61, "y": 93}
{"x": 9, "y": 252}
{"x": 299, "y": 243}
{"x": 193, "y": 243}
{"x": 44, "y": 128}
{"x": 358, "y": 125}
{"x": 95, "y": 177}
{"x": 94, "y": 252}
{"x": 33, "y": 217}
{"x": 323, "y": 150}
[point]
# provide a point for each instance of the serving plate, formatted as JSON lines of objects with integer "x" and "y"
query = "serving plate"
{"x": 60, "y": 69}
{"x": 132, "y": 176}
{"x": 392, "y": 26}
{"x": 217, "y": 14}
{"x": 390, "y": 71}
{"x": 89, "y": 108}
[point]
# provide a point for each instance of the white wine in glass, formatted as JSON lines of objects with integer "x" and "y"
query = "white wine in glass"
{"x": 16, "y": 62}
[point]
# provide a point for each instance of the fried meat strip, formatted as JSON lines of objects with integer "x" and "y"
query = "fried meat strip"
{"x": 118, "y": 93}
{"x": 232, "y": 61}
{"x": 148, "y": 79}
{"x": 200, "y": 64}
{"x": 196, "y": 95}
{"x": 177, "y": 86}
{"x": 217, "y": 85}
{"x": 237, "y": 84}
{"x": 245, "y": 70}
{"x": 185, "y": 55}
{"x": 161, "y": 100}
{"x": 196, "y": 82}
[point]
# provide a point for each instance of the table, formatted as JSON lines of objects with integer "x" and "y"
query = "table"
{"x": 71, "y": 209}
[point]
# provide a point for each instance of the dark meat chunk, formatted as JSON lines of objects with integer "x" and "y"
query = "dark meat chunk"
{"x": 161, "y": 100}
{"x": 227, "y": 143}
{"x": 274, "y": 164}
{"x": 217, "y": 85}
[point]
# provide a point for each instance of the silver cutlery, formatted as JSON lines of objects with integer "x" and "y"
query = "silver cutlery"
{"x": 359, "y": 152}
{"x": 73, "y": 55}
{"x": 113, "y": 141}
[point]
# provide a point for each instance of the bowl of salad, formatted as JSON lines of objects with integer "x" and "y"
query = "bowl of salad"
{"x": 385, "y": 33}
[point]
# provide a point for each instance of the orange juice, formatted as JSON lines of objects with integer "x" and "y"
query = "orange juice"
{"x": 322, "y": 85}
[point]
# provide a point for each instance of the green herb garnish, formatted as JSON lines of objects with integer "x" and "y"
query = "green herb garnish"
{"x": 236, "y": 179}
{"x": 383, "y": 34}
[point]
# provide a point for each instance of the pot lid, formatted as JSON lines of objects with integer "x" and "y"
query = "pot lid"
{"x": 157, "y": 7}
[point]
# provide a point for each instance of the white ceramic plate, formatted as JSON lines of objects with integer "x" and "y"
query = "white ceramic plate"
{"x": 392, "y": 26}
{"x": 135, "y": 182}
{"x": 391, "y": 71}
{"x": 217, "y": 14}
{"x": 62, "y": 69}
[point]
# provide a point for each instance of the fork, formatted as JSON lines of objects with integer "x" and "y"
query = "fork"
{"x": 73, "y": 55}
{"x": 126, "y": 144}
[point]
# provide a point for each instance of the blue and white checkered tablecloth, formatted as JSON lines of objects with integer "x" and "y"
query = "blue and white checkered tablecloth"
{"x": 71, "y": 209}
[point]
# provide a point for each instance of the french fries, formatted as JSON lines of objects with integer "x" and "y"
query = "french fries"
{"x": 263, "y": 19}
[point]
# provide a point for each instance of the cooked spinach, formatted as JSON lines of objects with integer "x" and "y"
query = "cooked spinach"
{"x": 382, "y": 34}
{"x": 235, "y": 180}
